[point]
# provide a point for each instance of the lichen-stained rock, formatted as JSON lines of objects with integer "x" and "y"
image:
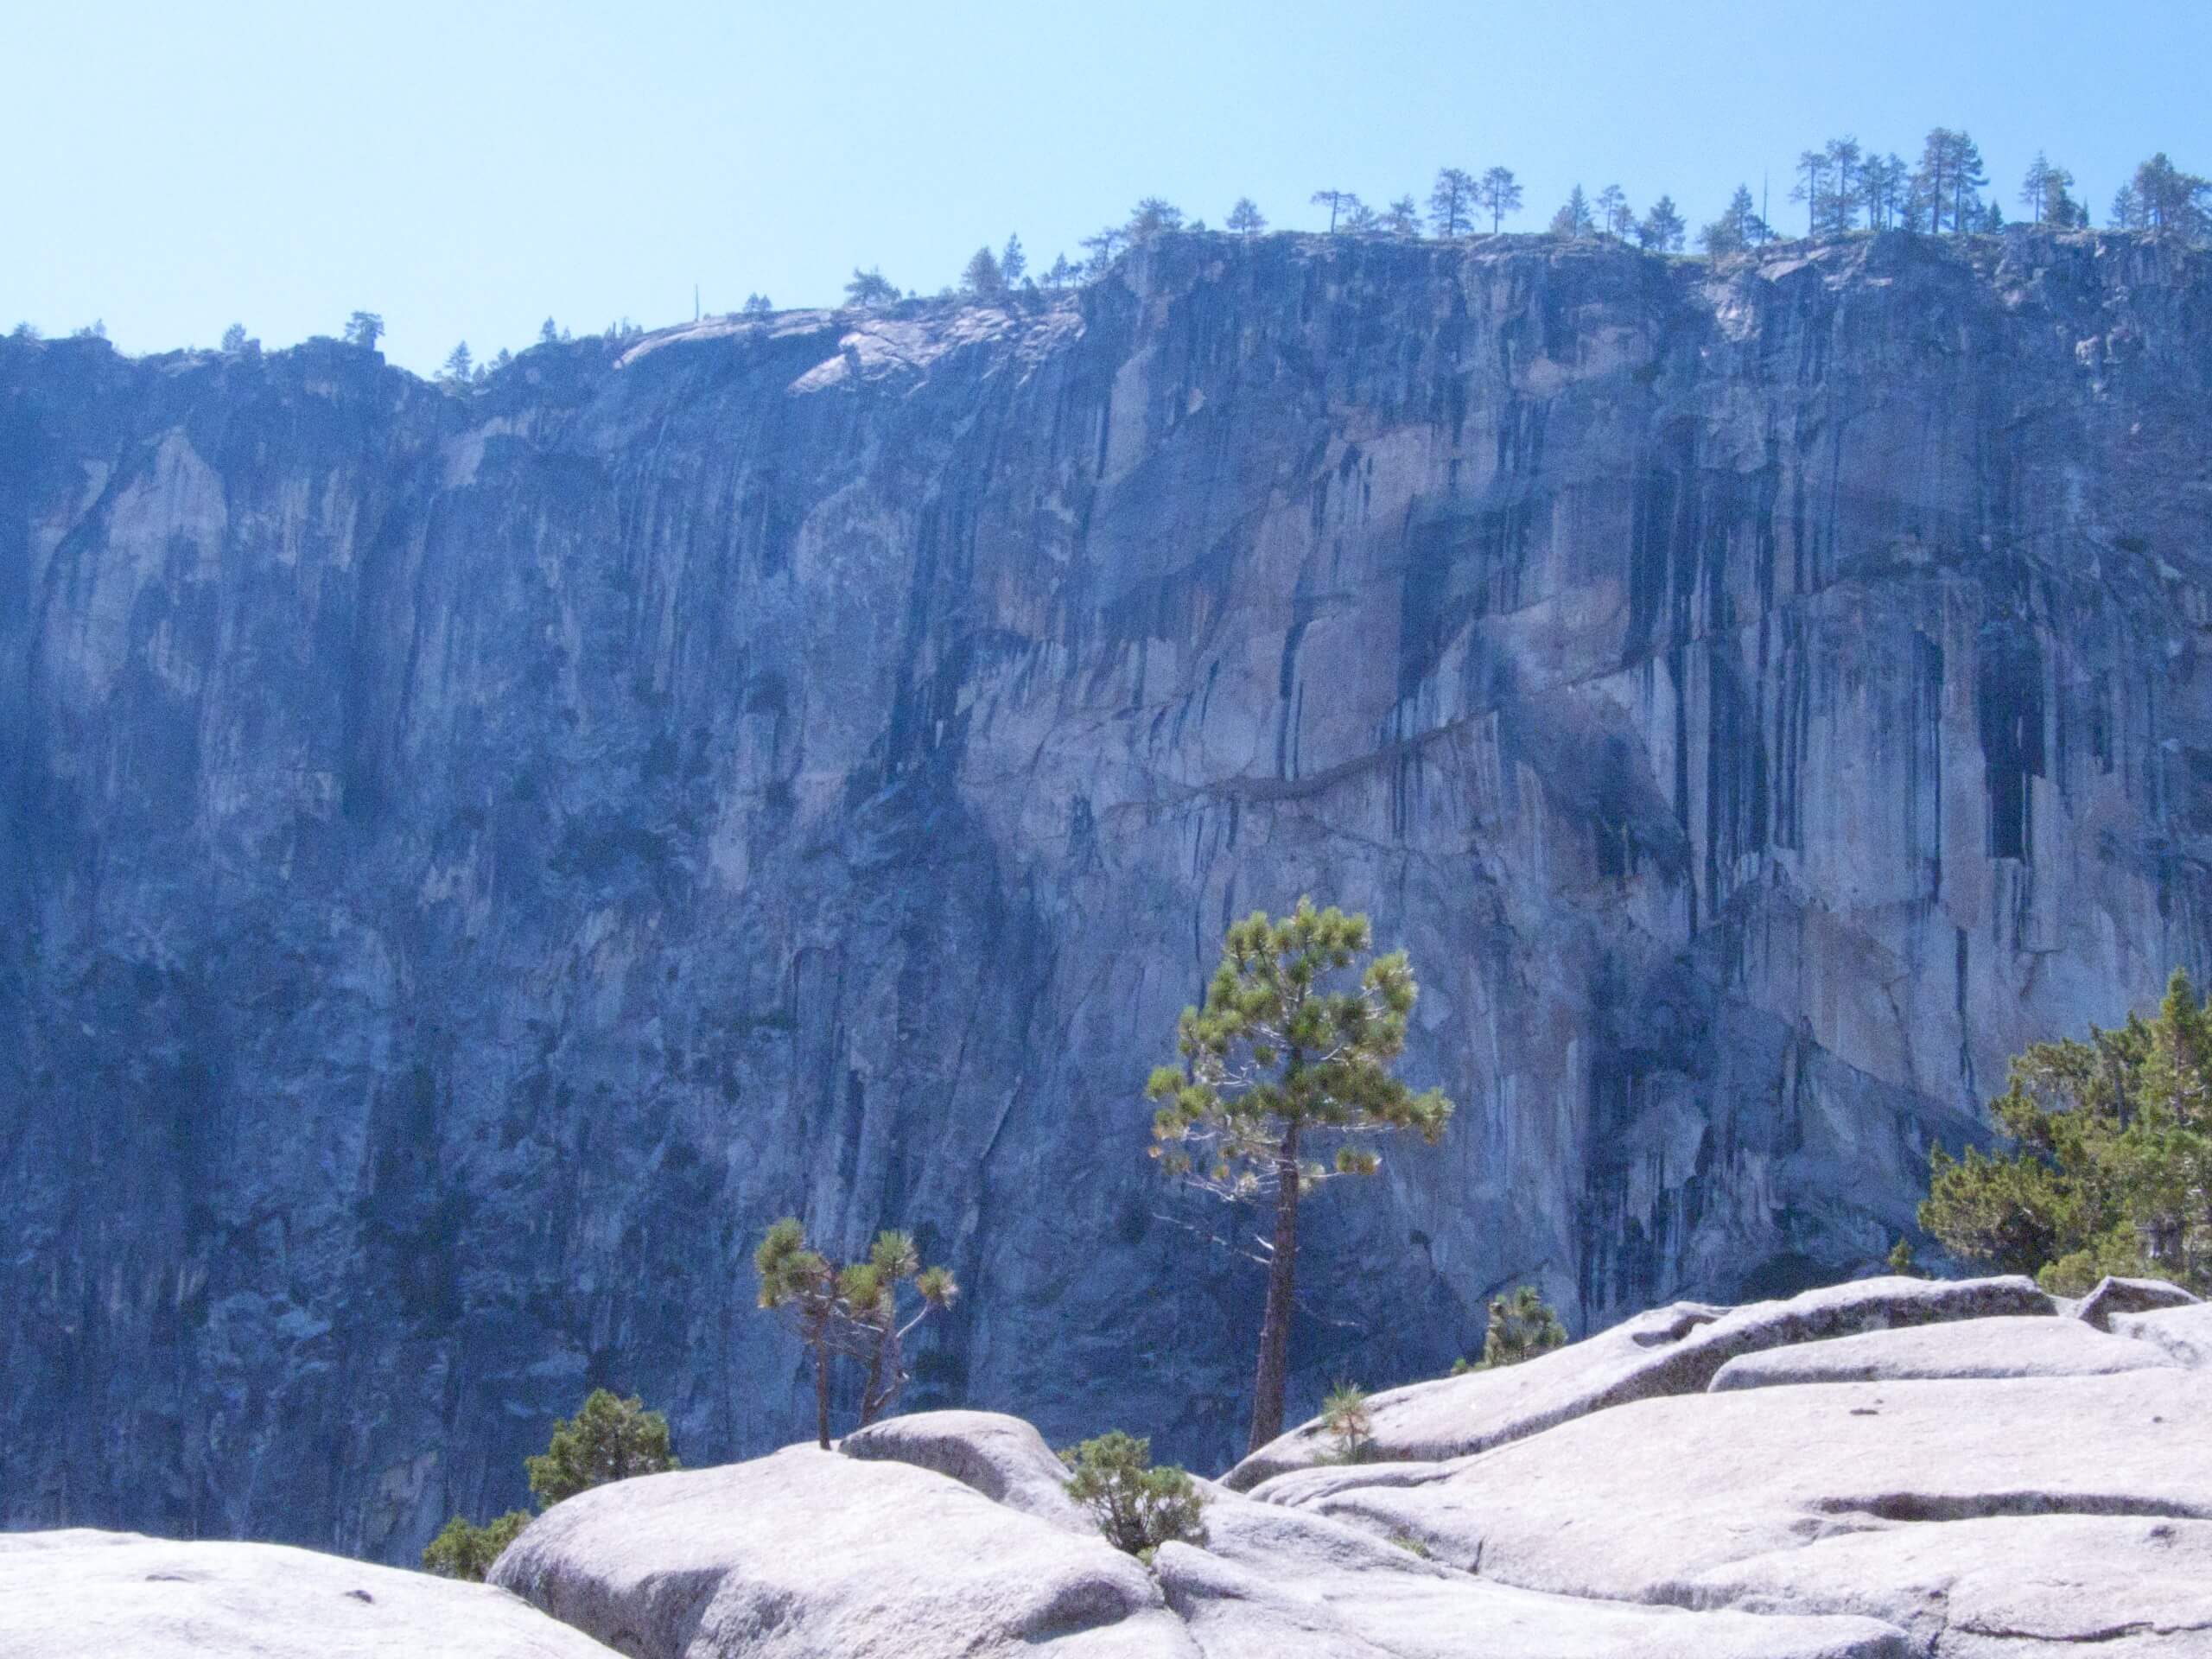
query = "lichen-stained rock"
{"x": 2114, "y": 1297}
{"x": 80, "y": 1594}
{"x": 1002, "y": 1456}
{"x": 809, "y": 1554}
{"x": 1977, "y": 1348}
{"x": 1674, "y": 1350}
{"x": 1623, "y": 1503}
{"x": 1278, "y": 1584}
{"x": 467, "y": 863}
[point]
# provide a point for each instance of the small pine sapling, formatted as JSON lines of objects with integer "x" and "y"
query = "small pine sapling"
{"x": 1521, "y": 1326}
{"x": 800, "y": 1282}
{"x": 870, "y": 1292}
{"x": 1349, "y": 1423}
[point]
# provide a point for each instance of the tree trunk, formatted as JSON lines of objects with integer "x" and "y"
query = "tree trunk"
{"x": 870, "y": 1397}
{"x": 821, "y": 1394}
{"x": 1275, "y": 1323}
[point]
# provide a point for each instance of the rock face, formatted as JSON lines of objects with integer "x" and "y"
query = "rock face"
{"x": 466, "y": 862}
{"x": 94, "y": 1595}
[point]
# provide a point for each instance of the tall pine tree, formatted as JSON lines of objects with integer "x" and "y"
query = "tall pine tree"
{"x": 1290, "y": 1055}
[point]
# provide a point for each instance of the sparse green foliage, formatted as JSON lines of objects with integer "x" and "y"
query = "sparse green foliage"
{"x": 1104, "y": 248}
{"x": 234, "y": 338}
{"x": 1451, "y": 201}
{"x": 1339, "y": 202}
{"x": 1289, "y": 1050}
{"x": 1615, "y": 216}
{"x": 870, "y": 288}
{"x": 2044, "y": 194}
{"x": 1902, "y": 1260}
{"x": 984, "y": 278}
{"x": 757, "y": 306}
{"x": 459, "y": 366}
{"x": 1521, "y": 1326}
{"x": 610, "y": 1438}
{"x": 1946, "y": 185}
{"x": 1885, "y": 190}
{"x": 1574, "y": 218}
{"x": 800, "y": 1281}
{"x": 462, "y": 1550}
{"x": 1014, "y": 263}
{"x": 1246, "y": 219}
{"x": 1137, "y": 1506}
{"x": 1348, "y": 1422}
{"x": 1153, "y": 217}
{"x": 1497, "y": 194}
{"x": 1738, "y": 228}
{"x": 1661, "y": 230}
{"x": 850, "y": 1312}
{"x": 364, "y": 329}
{"x": 870, "y": 1292}
{"x": 1410, "y": 1544}
{"x": 548, "y": 334}
{"x": 2111, "y": 1167}
{"x": 2162, "y": 198}
{"x": 1402, "y": 218}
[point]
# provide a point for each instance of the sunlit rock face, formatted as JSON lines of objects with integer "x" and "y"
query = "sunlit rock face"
{"x": 469, "y": 862}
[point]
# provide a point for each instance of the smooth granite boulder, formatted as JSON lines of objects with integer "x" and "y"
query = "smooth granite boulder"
{"x": 2122, "y": 1586}
{"x": 1623, "y": 1504}
{"x": 81, "y": 1594}
{"x": 1676, "y": 1350}
{"x": 809, "y": 1554}
{"x": 1975, "y": 1347}
{"x": 1278, "y": 1583}
{"x": 1002, "y": 1456}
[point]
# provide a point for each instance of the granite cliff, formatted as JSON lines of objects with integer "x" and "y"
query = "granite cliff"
{"x": 468, "y": 861}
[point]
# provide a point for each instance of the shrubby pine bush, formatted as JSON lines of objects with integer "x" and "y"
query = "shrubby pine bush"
{"x": 1137, "y": 1506}
{"x": 2110, "y": 1161}
{"x": 610, "y": 1439}
{"x": 464, "y": 1550}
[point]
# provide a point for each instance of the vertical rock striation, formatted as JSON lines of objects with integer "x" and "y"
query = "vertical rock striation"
{"x": 468, "y": 862}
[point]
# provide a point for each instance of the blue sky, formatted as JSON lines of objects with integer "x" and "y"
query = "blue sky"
{"x": 468, "y": 169}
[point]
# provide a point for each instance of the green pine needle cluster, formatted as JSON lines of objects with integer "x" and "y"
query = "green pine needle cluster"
{"x": 851, "y": 1310}
{"x": 464, "y": 1550}
{"x": 1138, "y": 1507}
{"x": 1282, "y": 1050}
{"x": 610, "y": 1438}
{"x": 1521, "y": 1326}
{"x": 1349, "y": 1422}
{"x": 2110, "y": 1169}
